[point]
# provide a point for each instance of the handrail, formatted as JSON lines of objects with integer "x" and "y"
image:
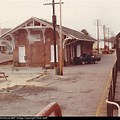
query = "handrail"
{"x": 111, "y": 90}
{"x": 49, "y": 109}
{"x": 116, "y": 104}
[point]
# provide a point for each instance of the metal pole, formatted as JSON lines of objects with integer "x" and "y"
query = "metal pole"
{"x": 54, "y": 34}
{"x": 61, "y": 43}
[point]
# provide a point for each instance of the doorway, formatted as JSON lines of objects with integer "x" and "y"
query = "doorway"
{"x": 21, "y": 53}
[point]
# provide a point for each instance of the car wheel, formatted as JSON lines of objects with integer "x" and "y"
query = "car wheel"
{"x": 83, "y": 62}
{"x": 96, "y": 62}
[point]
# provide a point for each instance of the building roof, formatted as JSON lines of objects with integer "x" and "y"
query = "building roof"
{"x": 70, "y": 32}
{"x": 74, "y": 33}
{"x": 78, "y": 35}
{"x": 4, "y": 30}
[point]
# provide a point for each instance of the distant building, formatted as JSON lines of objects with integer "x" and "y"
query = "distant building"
{"x": 4, "y": 30}
{"x": 33, "y": 45}
{"x": 4, "y": 44}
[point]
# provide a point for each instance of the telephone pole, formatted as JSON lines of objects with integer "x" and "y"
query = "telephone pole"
{"x": 54, "y": 30}
{"x": 104, "y": 38}
{"x": 54, "y": 34}
{"x": 98, "y": 35}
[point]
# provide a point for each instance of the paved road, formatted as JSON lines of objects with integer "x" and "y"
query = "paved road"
{"x": 89, "y": 87}
{"x": 79, "y": 92}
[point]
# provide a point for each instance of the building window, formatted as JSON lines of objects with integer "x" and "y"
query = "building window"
{"x": 35, "y": 35}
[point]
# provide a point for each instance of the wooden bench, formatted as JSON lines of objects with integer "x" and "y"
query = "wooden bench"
{"x": 2, "y": 75}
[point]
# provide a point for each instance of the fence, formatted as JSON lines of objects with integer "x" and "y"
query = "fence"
{"x": 111, "y": 92}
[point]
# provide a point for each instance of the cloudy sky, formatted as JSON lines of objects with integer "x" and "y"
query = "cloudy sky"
{"x": 76, "y": 14}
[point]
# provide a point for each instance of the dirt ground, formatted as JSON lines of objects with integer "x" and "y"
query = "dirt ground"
{"x": 31, "y": 99}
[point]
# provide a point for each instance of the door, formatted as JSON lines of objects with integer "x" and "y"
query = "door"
{"x": 21, "y": 52}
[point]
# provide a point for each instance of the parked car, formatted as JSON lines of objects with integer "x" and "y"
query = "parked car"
{"x": 86, "y": 59}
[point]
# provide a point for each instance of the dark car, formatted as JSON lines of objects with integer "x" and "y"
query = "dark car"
{"x": 88, "y": 58}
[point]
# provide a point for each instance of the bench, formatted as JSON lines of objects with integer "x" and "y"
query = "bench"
{"x": 2, "y": 75}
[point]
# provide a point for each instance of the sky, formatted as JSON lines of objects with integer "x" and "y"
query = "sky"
{"x": 76, "y": 14}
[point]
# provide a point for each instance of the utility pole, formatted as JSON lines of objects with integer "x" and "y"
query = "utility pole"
{"x": 104, "y": 38}
{"x": 54, "y": 34}
{"x": 98, "y": 35}
{"x": 54, "y": 30}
